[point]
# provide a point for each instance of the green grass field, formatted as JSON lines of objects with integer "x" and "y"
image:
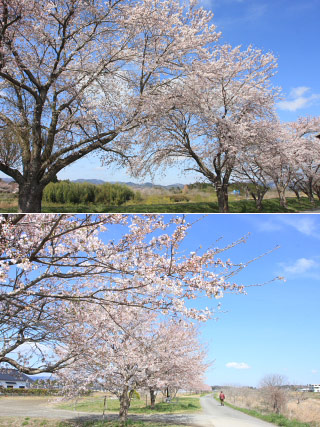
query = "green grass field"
{"x": 183, "y": 404}
{"x": 8, "y": 203}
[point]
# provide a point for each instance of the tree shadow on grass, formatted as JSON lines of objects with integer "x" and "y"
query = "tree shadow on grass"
{"x": 113, "y": 420}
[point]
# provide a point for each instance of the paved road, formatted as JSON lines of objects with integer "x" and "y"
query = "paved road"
{"x": 213, "y": 415}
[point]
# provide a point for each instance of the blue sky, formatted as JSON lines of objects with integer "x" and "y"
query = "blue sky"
{"x": 289, "y": 29}
{"x": 275, "y": 327}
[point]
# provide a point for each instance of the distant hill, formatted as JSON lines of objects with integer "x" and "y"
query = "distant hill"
{"x": 90, "y": 181}
{"x": 129, "y": 183}
{"x": 100, "y": 181}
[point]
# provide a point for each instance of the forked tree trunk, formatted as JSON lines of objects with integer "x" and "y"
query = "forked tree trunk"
{"x": 282, "y": 197}
{"x": 258, "y": 197}
{"x": 30, "y": 197}
{"x": 124, "y": 405}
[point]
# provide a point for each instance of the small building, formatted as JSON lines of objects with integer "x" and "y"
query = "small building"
{"x": 315, "y": 388}
{"x": 12, "y": 378}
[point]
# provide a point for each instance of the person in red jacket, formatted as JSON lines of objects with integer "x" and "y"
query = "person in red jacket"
{"x": 222, "y": 397}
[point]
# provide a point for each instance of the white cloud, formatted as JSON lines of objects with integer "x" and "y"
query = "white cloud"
{"x": 298, "y": 99}
{"x": 299, "y": 91}
{"x": 237, "y": 365}
{"x": 306, "y": 225}
{"x": 301, "y": 266}
{"x": 314, "y": 371}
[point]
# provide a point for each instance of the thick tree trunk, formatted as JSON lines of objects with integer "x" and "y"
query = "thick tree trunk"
{"x": 30, "y": 196}
{"x": 222, "y": 195}
{"x": 258, "y": 197}
{"x": 167, "y": 392}
{"x": 152, "y": 398}
{"x": 258, "y": 201}
{"x": 124, "y": 406}
{"x": 310, "y": 191}
{"x": 282, "y": 197}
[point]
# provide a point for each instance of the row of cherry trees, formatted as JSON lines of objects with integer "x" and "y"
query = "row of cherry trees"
{"x": 223, "y": 126}
{"x": 124, "y": 349}
{"x": 144, "y": 83}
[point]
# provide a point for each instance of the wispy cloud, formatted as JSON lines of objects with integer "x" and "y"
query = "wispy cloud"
{"x": 237, "y": 365}
{"x": 301, "y": 266}
{"x": 314, "y": 371}
{"x": 299, "y": 97}
{"x": 304, "y": 224}
{"x": 245, "y": 12}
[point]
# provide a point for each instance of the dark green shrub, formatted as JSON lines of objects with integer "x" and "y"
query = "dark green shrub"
{"x": 76, "y": 193}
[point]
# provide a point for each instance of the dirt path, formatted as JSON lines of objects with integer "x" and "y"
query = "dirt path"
{"x": 213, "y": 415}
{"x": 40, "y": 407}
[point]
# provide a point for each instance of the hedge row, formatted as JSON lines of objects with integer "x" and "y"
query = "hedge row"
{"x": 75, "y": 193}
{"x": 29, "y": 391}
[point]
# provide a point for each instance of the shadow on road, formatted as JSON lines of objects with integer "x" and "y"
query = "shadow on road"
{"x": 168, "y": 419}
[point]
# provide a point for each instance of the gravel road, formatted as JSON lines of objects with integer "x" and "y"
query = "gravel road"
{"x": 213, "y": 415}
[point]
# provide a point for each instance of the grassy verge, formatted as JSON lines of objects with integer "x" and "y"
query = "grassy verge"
{"x": 41, "y": 422}
{"x": 236, "y": 206}
{"x": 183, "y": 404}
{"x": 277, "y": 419}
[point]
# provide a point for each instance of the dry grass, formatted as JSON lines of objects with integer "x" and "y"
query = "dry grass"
{"x": 307, "y": 410}
{"x": 27, "y": 421}
{"x": 304, "y": 407}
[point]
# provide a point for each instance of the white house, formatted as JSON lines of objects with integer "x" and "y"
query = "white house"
{"x": 315, "y": 388}
{"x": 11, "y": 378}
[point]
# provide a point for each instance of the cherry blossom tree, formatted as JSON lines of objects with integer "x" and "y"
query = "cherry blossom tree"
{"x": 307, "y": 154}
{"x": 248, "y": 169}
{"x": 125, "y": 349}
{"x": 117, "y": 260}
{"x": 213, "y": 115}
{"x": 179, "y": 359}
{"x": 75, "y": 75}
{"x": 274, "y": 157}
{"x": 113, "y": 353}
